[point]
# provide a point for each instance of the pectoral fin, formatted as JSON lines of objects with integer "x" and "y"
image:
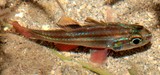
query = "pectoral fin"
{"x": 99, "y": 56}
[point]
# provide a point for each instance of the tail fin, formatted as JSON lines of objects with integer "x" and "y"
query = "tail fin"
{"x": 22, "y": 30}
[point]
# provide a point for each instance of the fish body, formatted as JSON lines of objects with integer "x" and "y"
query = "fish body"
{"x": 114, "y": 36}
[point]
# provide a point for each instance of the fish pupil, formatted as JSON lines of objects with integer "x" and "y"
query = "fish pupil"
{"x": 136, "y": 40}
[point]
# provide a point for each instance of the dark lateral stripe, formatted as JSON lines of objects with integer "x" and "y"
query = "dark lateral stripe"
{"x": 89, "y": 33}
{"x": 80, "y": 39}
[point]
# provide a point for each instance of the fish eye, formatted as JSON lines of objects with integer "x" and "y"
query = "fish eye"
{"x": 136, "y": 41}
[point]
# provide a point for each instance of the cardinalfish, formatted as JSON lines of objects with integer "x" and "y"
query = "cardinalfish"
{"x": 101, "y": 37}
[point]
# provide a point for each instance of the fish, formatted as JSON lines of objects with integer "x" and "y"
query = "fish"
{"x": 101, "y": 37}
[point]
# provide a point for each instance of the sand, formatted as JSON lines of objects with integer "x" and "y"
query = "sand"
{"x": 21, "y": 56}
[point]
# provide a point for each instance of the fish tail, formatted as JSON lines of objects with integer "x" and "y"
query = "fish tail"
{"x": 22, "y": 30}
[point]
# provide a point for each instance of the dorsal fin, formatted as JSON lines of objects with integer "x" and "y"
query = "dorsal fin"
{"x": 94, "y": 22}
{"x": 66, "y": 22}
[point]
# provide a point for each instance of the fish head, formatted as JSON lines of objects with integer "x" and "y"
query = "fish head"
{"x": 137, "y": 36}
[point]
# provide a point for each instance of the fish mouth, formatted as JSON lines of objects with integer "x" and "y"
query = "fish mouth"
{"x": 148, "y": 37}
{"x": 147, "y": 34}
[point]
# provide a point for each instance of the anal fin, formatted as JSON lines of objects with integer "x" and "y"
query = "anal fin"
{"x": 65, "y": 47}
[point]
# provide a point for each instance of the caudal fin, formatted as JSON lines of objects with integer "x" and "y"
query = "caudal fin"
{"x": 22, "y": 30}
